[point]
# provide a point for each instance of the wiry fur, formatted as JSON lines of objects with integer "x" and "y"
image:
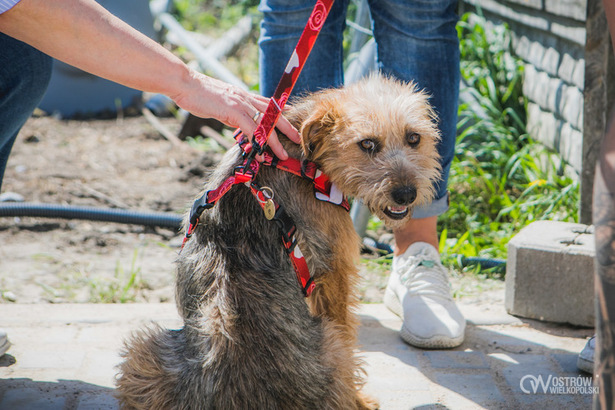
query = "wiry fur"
{"x": 249, "y": 339}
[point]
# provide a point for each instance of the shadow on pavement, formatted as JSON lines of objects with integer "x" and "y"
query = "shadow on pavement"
{"x": 22, "y": 393}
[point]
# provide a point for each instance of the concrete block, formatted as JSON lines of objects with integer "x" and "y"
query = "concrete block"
{"x": 550, "y": 273}
{"x": 574, "y": 9}
{"x": 555, "y": 88}
{"x": 571, "y": 105}
{"x": 32, "y": 399}
{"x": 537, "y": 52}
{"x": 571, "y": 146}
{"x": 98, "y": 402}
{"x": 480, "y": 389}
{"x": 535, "y": 4}
{"x": 521, "y": 45}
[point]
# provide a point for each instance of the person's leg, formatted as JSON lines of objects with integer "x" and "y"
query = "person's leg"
{"x": 282, "y": 25}
{"x": 417, "y": 41}
{"x": 24, "y": 76}
{"x": 416, "y": 230}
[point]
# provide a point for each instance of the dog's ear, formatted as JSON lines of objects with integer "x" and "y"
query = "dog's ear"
{"x": 317, "y": 127}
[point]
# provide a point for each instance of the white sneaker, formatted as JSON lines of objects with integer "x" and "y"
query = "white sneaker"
{"x": 419, "y": 292}
{"x": 585, "y": 361}
{"x": 4, "y": 342}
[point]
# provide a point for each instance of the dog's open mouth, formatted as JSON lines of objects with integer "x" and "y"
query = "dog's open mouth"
{"x": 396, "y": 212}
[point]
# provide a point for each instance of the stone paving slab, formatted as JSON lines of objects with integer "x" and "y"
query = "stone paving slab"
{"x": 63, "y": 357}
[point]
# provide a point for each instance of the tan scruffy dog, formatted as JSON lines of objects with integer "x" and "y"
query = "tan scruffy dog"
{"x": 250, "y": 340}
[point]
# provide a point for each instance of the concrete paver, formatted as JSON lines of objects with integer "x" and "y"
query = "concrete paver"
{"x": 64, "y": 357}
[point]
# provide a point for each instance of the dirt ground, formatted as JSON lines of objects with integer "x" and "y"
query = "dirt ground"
{"x": 103, "y": 163}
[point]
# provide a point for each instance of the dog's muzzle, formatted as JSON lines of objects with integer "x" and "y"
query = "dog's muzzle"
{"x": 403, "y": 197}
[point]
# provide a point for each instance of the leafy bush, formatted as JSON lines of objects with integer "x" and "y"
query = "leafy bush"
{"x": 212, "y": 15}
{"x": 500, "y": 180}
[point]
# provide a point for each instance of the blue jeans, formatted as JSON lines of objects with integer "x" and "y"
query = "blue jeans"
{"x": 24, "y": 76}
{"x": 416, "y": 41}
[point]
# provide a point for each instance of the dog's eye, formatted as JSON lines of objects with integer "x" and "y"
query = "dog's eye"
{"x": 368, "y": 146}
{"x": 413, "y": 139}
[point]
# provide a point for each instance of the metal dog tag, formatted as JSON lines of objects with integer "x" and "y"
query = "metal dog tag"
{"x": 269, "y": 209}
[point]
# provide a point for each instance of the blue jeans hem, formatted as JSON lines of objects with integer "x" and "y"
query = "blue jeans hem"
{"x": 435, "y": 208}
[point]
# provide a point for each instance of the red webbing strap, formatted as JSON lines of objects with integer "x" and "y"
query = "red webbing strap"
{"x": 291, "y": 73}
{"x": 288, "y": 230}
{"x": 261, "y": 136}
{"x": 211, "y": 197}
{"x": 325, "y": 189}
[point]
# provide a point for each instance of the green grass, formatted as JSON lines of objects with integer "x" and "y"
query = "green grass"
{"x": 123, "y": 287}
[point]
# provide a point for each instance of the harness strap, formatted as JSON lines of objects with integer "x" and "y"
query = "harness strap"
{"x": 288, "y": 230}
{"x": 291, "y": 73}
{"x": 211, "y": 197}
{"x": 249, "y": 168}
{"x": 325, "y": 190}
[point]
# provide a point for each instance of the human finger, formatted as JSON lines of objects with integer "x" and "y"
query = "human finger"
{"x": 283, "y": 124}
{"x": 273, "y": 142}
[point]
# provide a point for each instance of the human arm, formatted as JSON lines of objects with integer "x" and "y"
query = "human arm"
{"x": 84, "y": 34}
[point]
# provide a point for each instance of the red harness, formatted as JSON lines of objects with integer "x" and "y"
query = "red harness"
{"x": 246, "y": 173}
{"x": 324, "y": 190}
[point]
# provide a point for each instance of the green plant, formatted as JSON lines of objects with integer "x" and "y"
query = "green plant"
{"x": 123, "y": 287}
{"x": 500, "y": 179}
{"x": 210, "y": 19}
{"x": 214, "y": 16}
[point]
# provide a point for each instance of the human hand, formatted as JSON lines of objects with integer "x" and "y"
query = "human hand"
{"x": 211, "y": 98}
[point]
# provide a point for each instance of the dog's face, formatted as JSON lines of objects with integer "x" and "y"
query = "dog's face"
{"x": 376, "y": 140}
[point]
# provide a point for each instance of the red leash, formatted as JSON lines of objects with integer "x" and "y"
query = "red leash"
{"x": 245, "y": 174}
{"x": 291, "y": 73}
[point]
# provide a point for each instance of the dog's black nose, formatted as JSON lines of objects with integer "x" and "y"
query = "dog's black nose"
{"x": 404, "y": 195}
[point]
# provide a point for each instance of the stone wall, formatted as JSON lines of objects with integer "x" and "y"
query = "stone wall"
{"x": 551, "y": 37}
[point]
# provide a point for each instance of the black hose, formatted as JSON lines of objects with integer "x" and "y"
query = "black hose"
{"x": 125, "y": 216}
{"x": 485, "y": 263}
{"x": 164, "y": 220}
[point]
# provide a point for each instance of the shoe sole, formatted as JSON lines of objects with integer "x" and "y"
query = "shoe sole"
{"x": 391, "y": 301}
{"x": 4, "y": 347}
